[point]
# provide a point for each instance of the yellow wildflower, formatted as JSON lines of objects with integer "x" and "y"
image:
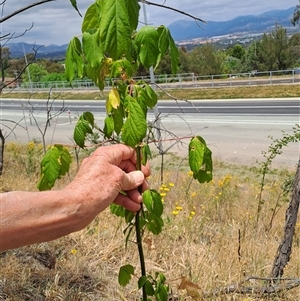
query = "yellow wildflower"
{"x": 74, "y": 251}
{"x": 163, "y": 194}
{"x": 178, "y": 208}
{"x": 175, "y": 212}
{"x": 190, "y": 173}
{"x": 171, "y": 184}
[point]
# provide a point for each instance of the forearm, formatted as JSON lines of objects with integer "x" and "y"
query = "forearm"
{"x": 33, "y": 217}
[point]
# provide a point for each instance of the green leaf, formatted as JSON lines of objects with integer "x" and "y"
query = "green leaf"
{"x": 149, "y": 288}
{"x": 200, "y": 160}
{"x": 118, "y": 119}
{"x": 146, "y": 41}
{"x": 174, "y": 54}
{"x": 91, "y": 50}
{"x": 117, "y": 210}
{"x": 146, "y": 152}
{"x": 125, "y": 274}
{"x": 151, "y": 101}
{"x": 115, "y": 28}
{"x": 121, "y": 68}
{"x": 91, "y": 19}
{"x": 196, "y": 153}
{"x": 74, "y": 4}
{"x": 163, "y": 43}
{"x": 55, "y": 163}
{"x": 74, "y": 60}
{"x": 154, "y": 224}
{"x": 152, "y": 201}
{"x": 135, "y": 126}
{"x": 133, "y": 9}
{"x": 83, "y": 127}
{"x": 108, "y": 126}
{"x": 141, "y": 282}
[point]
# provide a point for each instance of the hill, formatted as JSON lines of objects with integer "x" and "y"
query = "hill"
{"x": 188, "y": 29}
{"x": 183, "y": 30}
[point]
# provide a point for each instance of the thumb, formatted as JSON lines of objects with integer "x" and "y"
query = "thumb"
{"x": 132, "y": 180}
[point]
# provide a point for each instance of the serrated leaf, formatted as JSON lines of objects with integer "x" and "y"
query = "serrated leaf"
{"x": 152, "y": 201}
{"x": 135, "y": 127}
{"x": 142, "y": 280}
{"x": 174, "y": 54}
{"x": 196, "y": 153}
{"x": 163, "y": 43}
{"x": 55, "y": 163}
{"x": 121, "y": 68}
{"x": 151, "y": 101}
{"x": 133, "y": 9}
{"x": 113, "y": 100}
{"x": 146, "y": 41}
{"x": 74, "y": 61}
{"x": 115, "y": 28}
{"x": 154, "y": 224}
{"x": 83, "y": 127}
{"x": 118, "y": 119}
{"x": 117, "y": 210}
{"x": 125, "y": 274}
{"x": 91, "y": 19}
{"x": 108, "y": 126}
{"x": 91, "y": 50}
{"x": 200, "y": 160}
{"x": 149, "y": 288}
{"x": 146, "y": 152}
{"x": 74, "y": 4}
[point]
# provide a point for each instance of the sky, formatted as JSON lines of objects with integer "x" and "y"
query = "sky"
{"x": 57, "y": 22}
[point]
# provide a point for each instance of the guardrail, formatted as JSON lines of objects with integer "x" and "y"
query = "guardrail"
{"x": 184, "y": 80}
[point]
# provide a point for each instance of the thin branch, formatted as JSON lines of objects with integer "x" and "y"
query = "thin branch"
{"x": 173, "y": 9}
{"x": 23, "y": 9}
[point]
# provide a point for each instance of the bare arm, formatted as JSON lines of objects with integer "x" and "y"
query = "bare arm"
{"x": 32, "y": 217}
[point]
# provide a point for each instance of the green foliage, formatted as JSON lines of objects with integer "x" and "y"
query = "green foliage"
{"x": 206, "y": 60}
{"x": 55, "y": 164}
{"x": 275, "y": 149}
{"x": 125, "y": 274}
{"x": 200, "y": 160}
{"x": 83, "y": 127}
{"x": 37, "y": 72}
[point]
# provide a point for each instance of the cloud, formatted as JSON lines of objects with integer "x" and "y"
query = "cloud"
{"x": 57, "y": 22}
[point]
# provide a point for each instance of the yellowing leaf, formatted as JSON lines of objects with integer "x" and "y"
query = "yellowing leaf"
{"x": 192, "y": 289}
{"x": 113, "y": 100}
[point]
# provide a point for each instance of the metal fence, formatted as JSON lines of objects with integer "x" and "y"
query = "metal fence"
{"x": 184, "y": 80}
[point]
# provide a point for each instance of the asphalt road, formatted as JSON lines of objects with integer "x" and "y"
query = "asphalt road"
{"x": 236, "y": 131}
{"x": 286, "y": 106}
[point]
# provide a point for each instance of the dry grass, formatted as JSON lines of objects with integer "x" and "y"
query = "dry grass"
{"x": 275, "y": 91}
{"x": 200, "y": 239}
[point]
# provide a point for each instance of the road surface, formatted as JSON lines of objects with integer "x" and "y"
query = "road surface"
{"x": 237, "y": 131}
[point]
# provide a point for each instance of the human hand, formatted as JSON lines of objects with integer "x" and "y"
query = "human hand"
{"x": 104, "y": 174}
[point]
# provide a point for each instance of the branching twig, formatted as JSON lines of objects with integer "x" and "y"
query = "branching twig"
{"x": 173, "y": 9}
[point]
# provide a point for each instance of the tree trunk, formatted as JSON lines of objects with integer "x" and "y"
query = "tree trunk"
{"x": 2, "y": 143}
{"x": 285, "y": 248}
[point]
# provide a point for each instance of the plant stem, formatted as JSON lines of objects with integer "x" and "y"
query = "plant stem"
{"x": 137, "y": 227}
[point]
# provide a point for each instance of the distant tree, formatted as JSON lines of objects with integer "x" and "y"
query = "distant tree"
{"x": 250, "y": 60}
{"x": 206, "y": 60}
{"x": 36, "y": 72}
{"x": 274, "y": 53}
{"x": 296, "y": 16}
{"x": 54, "y": 77}
{"x": 236, "y": 51}
{"x": 294, "y": 45}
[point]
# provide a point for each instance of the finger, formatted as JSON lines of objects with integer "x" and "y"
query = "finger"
{"x": 132, "y": 180}
{"x": 127, "y": 203}
{"x": 135, "y": 196}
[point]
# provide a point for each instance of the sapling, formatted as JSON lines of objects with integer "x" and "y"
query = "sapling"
{"x": 111, "y": 49}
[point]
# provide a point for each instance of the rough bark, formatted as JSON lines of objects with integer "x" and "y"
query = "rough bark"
{"x": 285, "y": 248}
{"x": 2, "y": 142}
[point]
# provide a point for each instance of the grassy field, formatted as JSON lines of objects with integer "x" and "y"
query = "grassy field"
{"x": 212, "y": 235}
{"x": 275, "y": 91}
